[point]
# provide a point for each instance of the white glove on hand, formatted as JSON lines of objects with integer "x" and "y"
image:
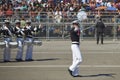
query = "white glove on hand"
{"x": 22, "y": 29}
{"x": 28, "y": 27}
{"x": 35, "y": 29}
{"x": 6, "y": 43}
{"x": 76, "y": 29}
{"x": 19, "y": 44}
{"x": 5, "y": 28}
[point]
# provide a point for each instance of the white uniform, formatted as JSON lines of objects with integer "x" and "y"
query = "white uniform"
{"x": 77, "y": 59}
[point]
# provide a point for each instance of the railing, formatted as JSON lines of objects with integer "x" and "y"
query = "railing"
{"x": 60, "y": 29}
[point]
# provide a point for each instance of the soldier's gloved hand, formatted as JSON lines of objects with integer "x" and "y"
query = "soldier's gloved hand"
{"x": 35, "y": 28}
{"x": 22, "y": 32}
{"x": 6, "y": 43}
{"x": 5, "y": 28}
{"x": 22, "y": 29}
{"x": 28, "y": 28}
{"x": 19, "y": 43}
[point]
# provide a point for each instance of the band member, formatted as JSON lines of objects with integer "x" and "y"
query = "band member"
{"x": 19, "y": 32}
{"x": 7, "y": 31}
{"x": 29, "y": 38}
{"x": 77, "y": 58}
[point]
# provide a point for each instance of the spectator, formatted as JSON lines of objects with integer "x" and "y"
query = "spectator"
{"x": 111, "y": 8}
{"x": 1, "y": 14}
{"x": 22, "y": 21}
{"x": 9, "y": 12}
{"x": 58, "y": 15}
{"x": 67, "y": 1}
{"x": 17, "y": 7}
{"x": 118, "y": 18}
{"x": 118, "y": 5}
{"x": 51, "y": 15}
{"x": 98, "y": 4}
{"x": 38, "y": 15}
{"x": 92, "y": 6}
{"x": 109, "y": 4}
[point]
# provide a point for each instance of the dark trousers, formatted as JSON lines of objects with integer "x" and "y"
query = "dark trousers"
{"x": 99, "y": 35}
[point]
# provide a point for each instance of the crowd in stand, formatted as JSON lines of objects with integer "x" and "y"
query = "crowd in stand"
{"x": 56, "y": 9}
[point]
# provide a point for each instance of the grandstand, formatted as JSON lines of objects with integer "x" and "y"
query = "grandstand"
{"x": 55, "y": 17}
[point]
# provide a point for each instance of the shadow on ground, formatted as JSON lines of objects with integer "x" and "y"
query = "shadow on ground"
{"x": 48, "y": 59}
{"x": 99, "y": 75}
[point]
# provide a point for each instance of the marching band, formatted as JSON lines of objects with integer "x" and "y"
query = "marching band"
{"x": 24, "y": 35}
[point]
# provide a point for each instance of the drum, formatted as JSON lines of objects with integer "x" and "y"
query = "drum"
{"x": 2, "y": 44}
{"x": 28, "y": 42}
{"x": 39, "y": 43}
{"x": 13, "y": 44}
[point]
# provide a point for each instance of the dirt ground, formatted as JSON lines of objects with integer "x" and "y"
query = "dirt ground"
{"x": 52, "y": 59}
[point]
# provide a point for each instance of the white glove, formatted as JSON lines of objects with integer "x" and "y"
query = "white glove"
{"x": 22, "y": 29}
{"x": 19, "y": 44}
{"x": 22, "y": 32}
{"x": 35, "y": 29}
{"x": 6, "y": 43}
{"x": 28, "y": 27}
{"x": 5, "y": 28}
{"x": 40, "y": 26}
{"x": 76, "y": 29}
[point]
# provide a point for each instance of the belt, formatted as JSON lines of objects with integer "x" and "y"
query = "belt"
{"x": 19, "y": 37}
{"x": 75, "y": 43}
{"x": 5, "y": 36}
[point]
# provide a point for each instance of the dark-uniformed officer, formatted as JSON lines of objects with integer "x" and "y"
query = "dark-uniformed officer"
{"x": 100, "y": 28}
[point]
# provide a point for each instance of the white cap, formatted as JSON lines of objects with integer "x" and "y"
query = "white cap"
{"x": 28, "y": 21}
{"x": 17, "y": 21}
{"x": 76, "y": 21}
{"x": 7, "y": 21}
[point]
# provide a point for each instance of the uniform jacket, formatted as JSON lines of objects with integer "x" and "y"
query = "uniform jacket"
{"x": 100, "y": 27}
{"x": 75, "y": 35}
{"x": 19, "y": 32}
{"x": 28, "y": 31}
{"x": 6, "y": 31}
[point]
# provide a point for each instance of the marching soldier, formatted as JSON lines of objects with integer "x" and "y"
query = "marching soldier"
{"x": 76, "y": 53}
{"x": 19, "y": 32}
{"x": 7, "y": 31}
{"x": 29, "y": 39}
